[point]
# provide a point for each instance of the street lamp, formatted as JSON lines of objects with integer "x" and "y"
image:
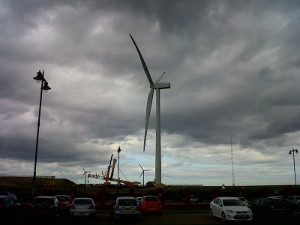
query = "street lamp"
{"x": 44, "y": 87}
{"x": 119, "y": 150}
{"x": 292, "y": 152}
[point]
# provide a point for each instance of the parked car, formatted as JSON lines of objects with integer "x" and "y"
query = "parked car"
{"x": 194, "y": 198}
{"x": 9, "y": 194}
{"x": 292, "y": 200}
{"x": 83, "y": 207}
{"x": 9, "y": 206}
{"x": 45, "y": 205}
{"x": 151, "y": 203}
{"x": 229, "y": 209}
{"x": 139, "y": 199}
{"x": 271, "y": 207}
{"x": 64, "y": 202}
{"x": 126, "y": 207}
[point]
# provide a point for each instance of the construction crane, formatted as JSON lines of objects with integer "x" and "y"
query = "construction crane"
{"x": 108, "y": 176}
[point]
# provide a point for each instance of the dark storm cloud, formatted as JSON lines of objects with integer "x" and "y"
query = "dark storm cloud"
{"x": 233, "y": 68}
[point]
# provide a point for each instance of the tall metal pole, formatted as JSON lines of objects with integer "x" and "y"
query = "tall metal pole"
{"x": 119, "y": 150}
{"x": 44, "y": 86}
{"x": 37, "y": 140}
{"x": 292, "y": 152}
{"x": 233, "y": 180}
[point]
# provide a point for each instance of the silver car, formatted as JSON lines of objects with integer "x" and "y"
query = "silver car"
{"x": 126, "y": 207}
{"x": 83, "y": 207}
{"x": 229, "y": 208}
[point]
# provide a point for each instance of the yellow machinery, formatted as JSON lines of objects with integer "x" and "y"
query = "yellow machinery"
{"x": 108, "y": 176}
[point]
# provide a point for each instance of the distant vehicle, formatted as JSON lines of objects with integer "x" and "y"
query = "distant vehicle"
{"x": 83, "y": 207}
{"x": 9, "y": 206}
{"x": 64, "y": 201}
{"x": 126, "y": 207}
{"x": 292, "y": 200}
{"x": 229, "y": 209}
{"x": 45, "y": 205}
{"x": 9, "y": 194}
{"x": 139, "y": 199}
{"x": 271, "y": 207}
{"x": 243, "y": 199}
{"x": 194, "y": 198}
{"x": 151, "y": 203}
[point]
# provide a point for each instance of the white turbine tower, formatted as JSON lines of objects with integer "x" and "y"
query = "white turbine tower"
{"x": 157, "y": 86}
{"x": 84, "y": 174}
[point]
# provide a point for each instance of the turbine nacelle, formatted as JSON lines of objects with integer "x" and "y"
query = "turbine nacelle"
{"x": 161, "y": 85}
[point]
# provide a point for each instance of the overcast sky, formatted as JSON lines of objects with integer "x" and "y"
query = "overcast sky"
{"x": 233, "y": 67}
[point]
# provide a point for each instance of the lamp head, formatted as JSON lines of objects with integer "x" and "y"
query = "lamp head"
{"x": 39, "y": 77}
{"x": 46, "y": 87}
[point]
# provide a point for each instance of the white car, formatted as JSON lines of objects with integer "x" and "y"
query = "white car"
{"x": 229, "y": 208}
{"x": 83, "y": 207}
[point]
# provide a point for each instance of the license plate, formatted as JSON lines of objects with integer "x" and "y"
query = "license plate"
{"x": 152, "y": 208}
{"x": 127, "y": 209}
{"x": 82, "y": 214}
{"x": 41, "y": 211}
{"x": 242, "y": 216}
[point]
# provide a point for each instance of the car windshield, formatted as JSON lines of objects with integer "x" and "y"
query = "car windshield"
{"x": 43, "y": 201}
{"x": 151, "y": 199}
{"x": 127, "y": 202}
{"x": 233, "y": 202}
{"x": 2, "y": 200}
{"x": 279, "y": 202}
{"x": 82, "y": 201}
{"x": 63, "y": 198}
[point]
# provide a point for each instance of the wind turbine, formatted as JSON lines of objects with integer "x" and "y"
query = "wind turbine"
{"x": 84, "y": 174}
{"x": 143, "y": 173}
{"x": 153, "y": 86}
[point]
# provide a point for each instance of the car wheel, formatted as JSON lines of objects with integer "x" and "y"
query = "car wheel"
{"x": 211, "y": 213}
{"x": 223, "y": 217}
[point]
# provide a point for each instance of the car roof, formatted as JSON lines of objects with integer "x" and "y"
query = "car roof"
{"x": 83, "y": 198}
{"x": 124, "y": 197}
{"x": 4, "y": 196}
{"x": 225, "y": 198}
{"x": 44, "y": 196}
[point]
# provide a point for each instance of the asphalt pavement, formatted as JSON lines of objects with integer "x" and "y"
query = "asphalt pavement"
{"x": 169, "y": 217}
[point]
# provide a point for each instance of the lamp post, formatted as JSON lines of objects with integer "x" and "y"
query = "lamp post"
{"x": 119, "y": 150}
{"x": 292, "y": 152}
{"x": 44, "y": 87}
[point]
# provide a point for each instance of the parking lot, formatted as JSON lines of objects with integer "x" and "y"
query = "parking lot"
{"x": 169, "y": 217}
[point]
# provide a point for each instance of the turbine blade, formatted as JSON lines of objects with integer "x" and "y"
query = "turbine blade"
{"x": 148, "y": 111}
{"x": 141, "y": 166}
{"x": 157, "y": 81}
{"x": 141, "y": 175}
{"x": 143, "y": 62}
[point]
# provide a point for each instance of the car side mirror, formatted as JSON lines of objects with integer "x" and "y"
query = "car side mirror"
{"x": 220, "y": 204}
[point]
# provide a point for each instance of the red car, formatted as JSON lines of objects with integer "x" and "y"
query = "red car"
{"x": 151, "y": 203}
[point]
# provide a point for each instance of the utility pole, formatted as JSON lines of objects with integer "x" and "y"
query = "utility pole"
{"x": 233, "y": 180}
